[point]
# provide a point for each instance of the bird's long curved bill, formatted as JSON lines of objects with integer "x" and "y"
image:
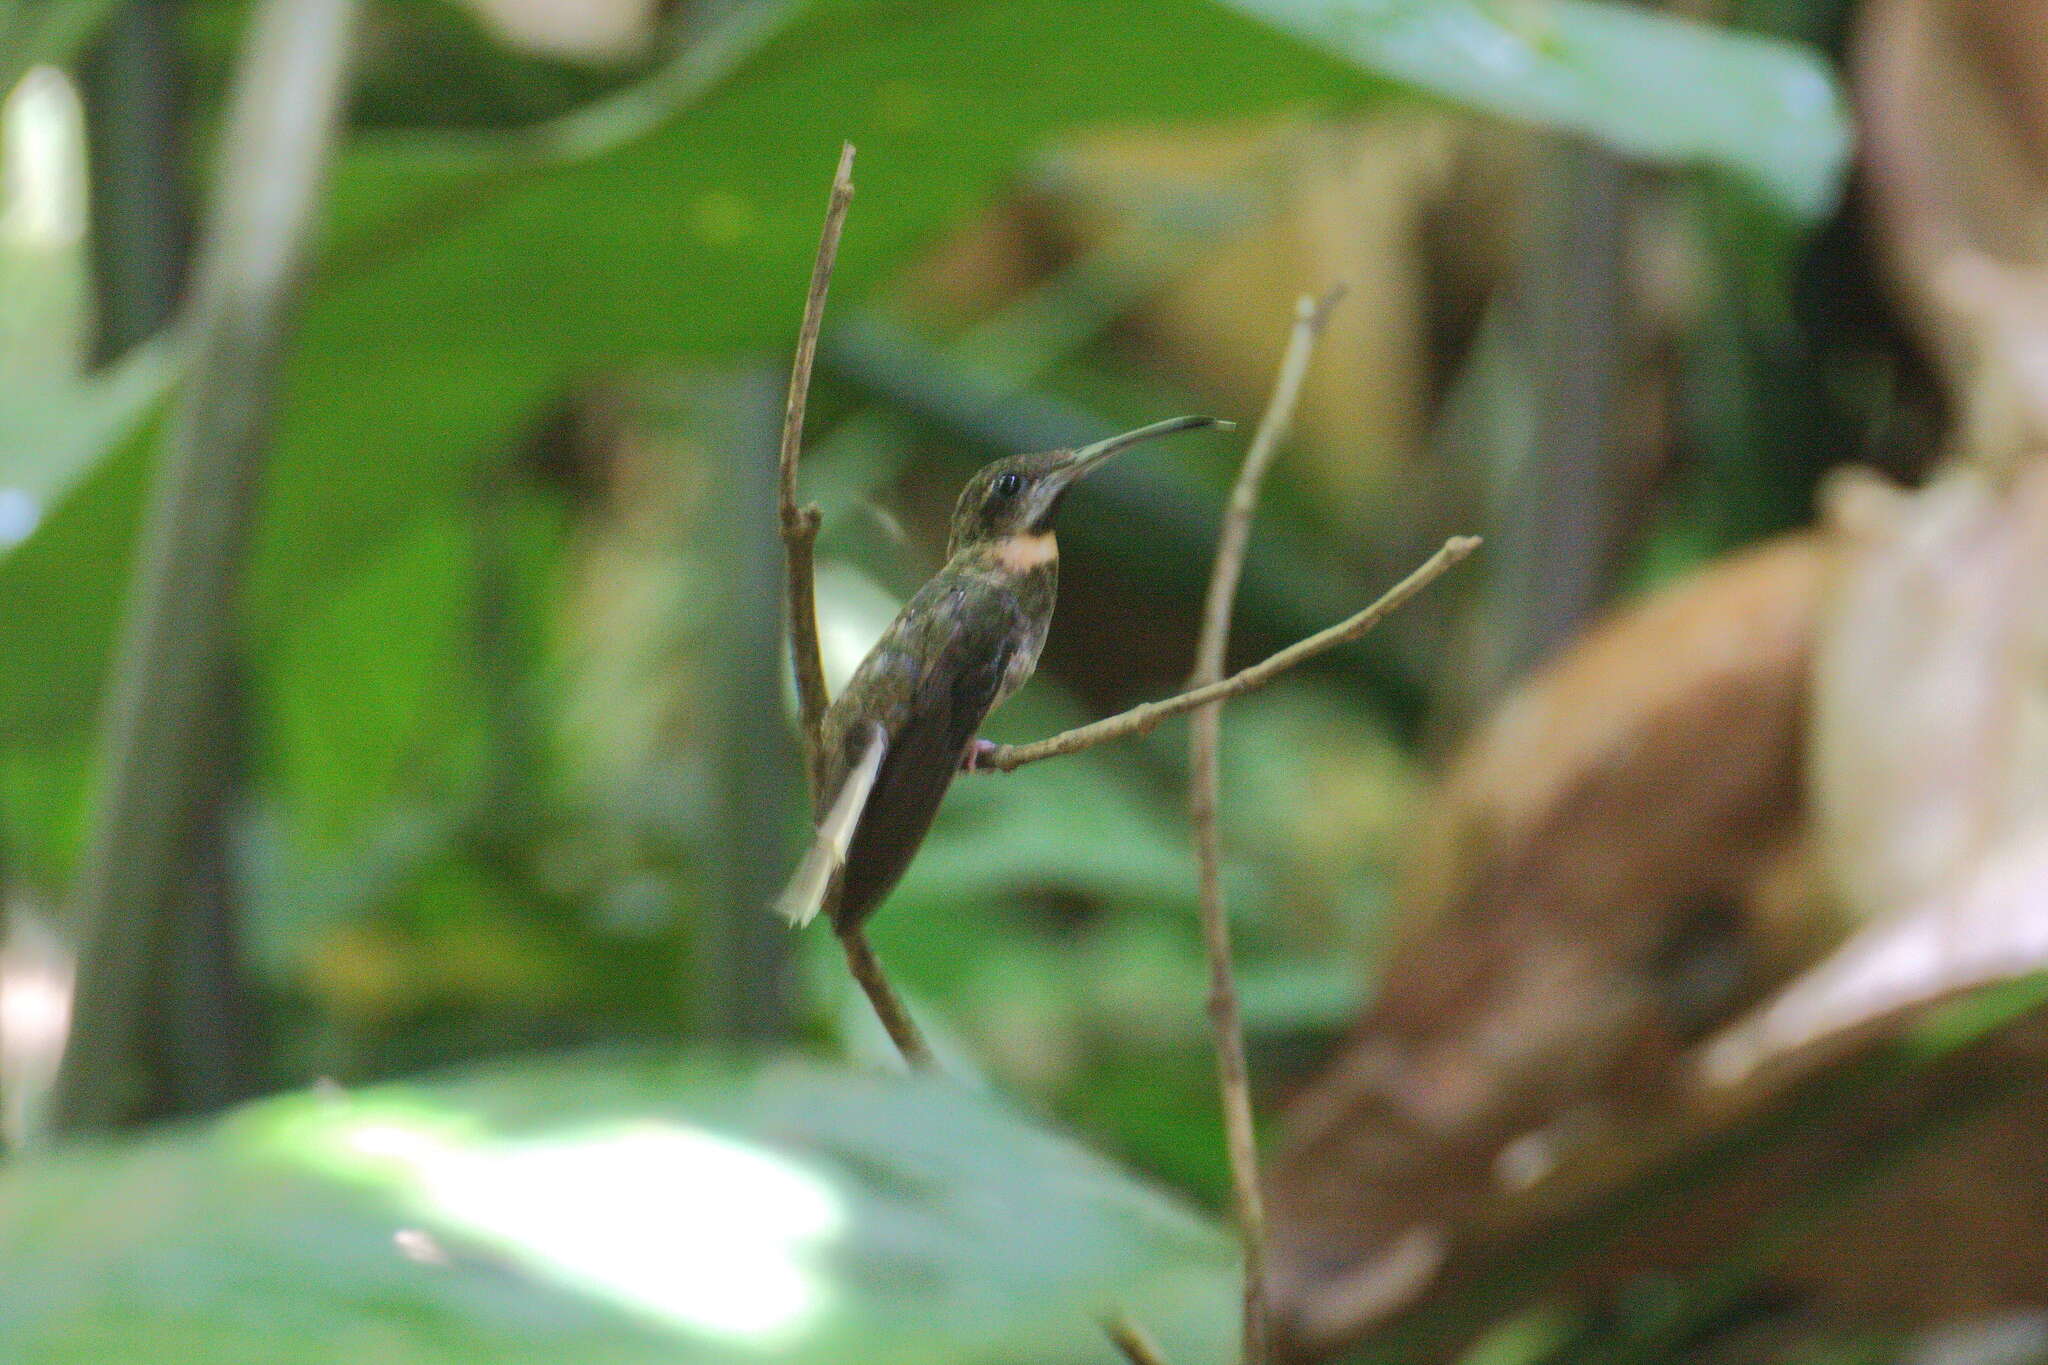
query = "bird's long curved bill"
{"x": 808, "y": 885}
{"x": 1089, "y": 456}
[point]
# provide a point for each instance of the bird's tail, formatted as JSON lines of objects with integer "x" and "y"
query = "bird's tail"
{"x": 800, "y": 900}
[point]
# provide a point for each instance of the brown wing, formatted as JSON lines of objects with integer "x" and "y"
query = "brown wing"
{"x": 951, "y": 689}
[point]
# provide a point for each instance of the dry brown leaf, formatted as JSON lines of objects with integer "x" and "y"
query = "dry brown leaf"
{"x": 1532, "y": 1054}
{"x": 1533, "y": 1050}
{"x": 1930, "y": 717}
{"x": 1954, "y": 102}
{"x": 1611, "y": 870}
{"x": 1991, "y": 927}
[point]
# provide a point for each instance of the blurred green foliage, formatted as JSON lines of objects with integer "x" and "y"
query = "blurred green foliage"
{"x": 1642, "y": 82}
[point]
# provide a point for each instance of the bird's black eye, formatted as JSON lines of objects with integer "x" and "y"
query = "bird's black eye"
{"x": 1008, "y": 484}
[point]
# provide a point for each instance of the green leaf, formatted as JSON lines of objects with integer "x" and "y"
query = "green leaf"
{"x": 51, "y": 32}
{"x": 468, "y": 277}
{"x": 604, "y": 1211}
{"x": 694, "y": 230}
{"x": 52, "y": 437}
{"x": 1665, "y": 89}
{"x": 359, "y": 458}
{"x": 372, "y": 700}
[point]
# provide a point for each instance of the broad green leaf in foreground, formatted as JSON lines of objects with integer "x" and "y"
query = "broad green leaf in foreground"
{"x": 1647, "y": 84}
{"x": 603, "y": 1211}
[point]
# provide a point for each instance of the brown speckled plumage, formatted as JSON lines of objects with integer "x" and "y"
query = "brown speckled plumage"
{"x": 968, "y": 639}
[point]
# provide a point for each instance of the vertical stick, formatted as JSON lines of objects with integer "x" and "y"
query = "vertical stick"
{"x": 896, "y": 1021}
{"x": 172, "y": 668}
{"x": 141, "y": 214}
{"x": 1204, "y": 782}
{"x": 1566, "y": 503}
{"x": 746, "y": 983}
{"x": 799, "y": 537}
{"x": 800, "y": 524}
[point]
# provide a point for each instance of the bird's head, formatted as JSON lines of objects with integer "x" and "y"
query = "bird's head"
{"x": 1018, "y": 494}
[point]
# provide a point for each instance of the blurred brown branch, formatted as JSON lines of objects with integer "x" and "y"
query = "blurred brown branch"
{"x": 1205, "y": 737}
{"x": 895, "y": 1020}
{"x": 1132, "y": 1341}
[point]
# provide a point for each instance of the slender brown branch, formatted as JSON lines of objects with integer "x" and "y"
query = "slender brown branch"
{"x": 799, "y": 537}
{"x": 800, "y": 524}
{"x": 1310, "y": 316}
{"x": 1205, "y": 737}
{"x": 1132, "y": 1341}
{"x": 896, "y": 1021}
{"x": 1146, "y": 717}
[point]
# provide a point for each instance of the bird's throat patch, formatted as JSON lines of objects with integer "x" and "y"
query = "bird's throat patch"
{"x": 1025, "y": 551}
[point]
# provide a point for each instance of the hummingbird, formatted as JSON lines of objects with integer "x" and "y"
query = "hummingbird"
{"x": 906, "y": 723}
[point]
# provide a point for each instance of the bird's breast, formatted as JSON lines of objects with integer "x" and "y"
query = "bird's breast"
{"x": 1027, "y": 550}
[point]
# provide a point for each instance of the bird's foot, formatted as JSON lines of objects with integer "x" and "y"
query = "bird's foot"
{"x": 974, "y": 758}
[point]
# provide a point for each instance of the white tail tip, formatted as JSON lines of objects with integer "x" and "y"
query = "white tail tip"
{"x": 800, "y": 900}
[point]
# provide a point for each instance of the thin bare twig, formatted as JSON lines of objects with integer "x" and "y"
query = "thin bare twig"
{"x": 1310, "y": 317}
{"x": 1133, "y": 1341}
{"x": 800, "y": 524}
{"x": 1205, "y": 736}
{"x": 896, "y": 1021}
{"x": 799, "y": 537}
{"x": 1146, "y": 717}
